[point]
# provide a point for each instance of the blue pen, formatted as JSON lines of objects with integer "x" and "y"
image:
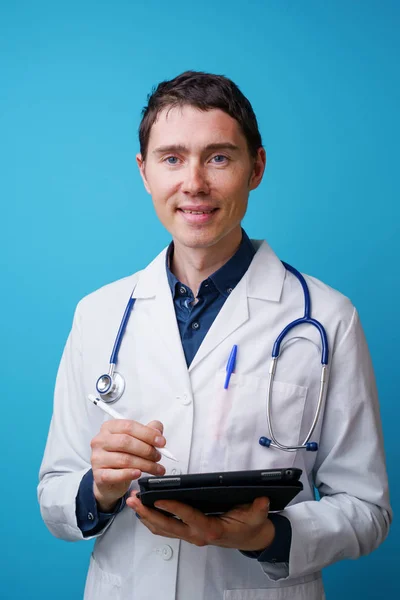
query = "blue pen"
{"x": 230, "y": 366}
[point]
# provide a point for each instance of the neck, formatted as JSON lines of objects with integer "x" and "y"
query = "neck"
{"x": 193, "y": 265}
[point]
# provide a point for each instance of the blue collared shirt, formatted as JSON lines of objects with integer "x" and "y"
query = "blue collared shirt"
{"x": 194, "y": 321}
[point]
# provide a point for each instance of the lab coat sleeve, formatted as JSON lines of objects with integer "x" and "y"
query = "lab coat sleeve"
{"x": 353, "y": 515}
{"x": 67, "y": 454}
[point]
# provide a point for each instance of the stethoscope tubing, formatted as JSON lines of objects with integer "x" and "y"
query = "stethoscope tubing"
{"x": 111, "y": 385}
{"x": 120, "y": 334}
{"x": 305, "y": 320}
{"x": 321, "y": 395}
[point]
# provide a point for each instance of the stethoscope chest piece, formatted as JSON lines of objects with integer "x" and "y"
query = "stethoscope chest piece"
{"x": 110, "y": 387}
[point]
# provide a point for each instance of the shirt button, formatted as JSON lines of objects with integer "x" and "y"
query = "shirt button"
{"x": 90, "y": 517}
{"x": 166, "y": 552}
{"x": 229, "y": 290}
{"x": 195, "y": 325}
{"x": 182, "y": 290}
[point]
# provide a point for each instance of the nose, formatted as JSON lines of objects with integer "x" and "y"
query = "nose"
{"x": 195, "y": 181}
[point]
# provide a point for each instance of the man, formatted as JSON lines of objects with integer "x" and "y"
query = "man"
{"x": 200, "y": 156}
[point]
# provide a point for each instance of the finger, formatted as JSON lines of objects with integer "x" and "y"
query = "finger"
{"x": 136, "y": 430}
{"x": 256, "y": 512}
{"x": 155, "y": 530}
{"x": 261, "y": 505}
{"x": 156, "y": 425}
{"x": 121, "y": 442}
{"x": 112, "y": 477}
{"x": 200, "y": 532}
{"x": 186, "y": 513}
{"x": 122, "y": 460}
{"x": 249, "y": 514}
{"x": 170, "y": 526}
{"x": 201, "y": 527}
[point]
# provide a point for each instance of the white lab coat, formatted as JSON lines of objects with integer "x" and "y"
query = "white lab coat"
{"x": 209, "y": 428}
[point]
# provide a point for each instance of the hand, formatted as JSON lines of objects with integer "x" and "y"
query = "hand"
{"x": 120, "y": 452}
{"x": 246, "y": 527}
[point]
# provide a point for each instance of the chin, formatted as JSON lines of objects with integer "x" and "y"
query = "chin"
{"x": 197, "y": 240}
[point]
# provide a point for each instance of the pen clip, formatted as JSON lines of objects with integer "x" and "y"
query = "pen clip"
{"x": 230, "y": 366}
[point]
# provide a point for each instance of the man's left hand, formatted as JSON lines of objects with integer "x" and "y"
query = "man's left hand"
{"x": 246, "y": 527}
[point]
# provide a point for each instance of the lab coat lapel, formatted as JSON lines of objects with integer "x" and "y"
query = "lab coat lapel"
{"x": 263, "y": 280}
{"x": 154, "y": 287}
{"x": 232, "y": 315}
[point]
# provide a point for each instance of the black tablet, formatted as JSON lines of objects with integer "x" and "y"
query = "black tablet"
{"x": 216, "y": 493}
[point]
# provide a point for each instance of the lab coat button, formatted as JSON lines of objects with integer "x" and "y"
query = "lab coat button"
{"x": 176, "y": 471}
{"x": 185, "y": 399}
{"x": 166, "y": 552}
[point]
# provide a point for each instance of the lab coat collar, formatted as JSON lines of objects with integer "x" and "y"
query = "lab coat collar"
{"x": 266, "y": 274}
{"x": 148, "y": 284}
{"x": 263, "y": 280}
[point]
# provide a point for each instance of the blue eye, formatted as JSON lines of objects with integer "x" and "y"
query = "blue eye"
{"x": 219, "y": 156}
{"x": 171, "y": 158}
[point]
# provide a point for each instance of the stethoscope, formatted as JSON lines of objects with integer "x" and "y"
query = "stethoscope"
{"x": 306, "y": 444}
{"x": 110, "y": 386}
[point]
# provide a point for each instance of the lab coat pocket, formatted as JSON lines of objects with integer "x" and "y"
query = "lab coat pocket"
{"x": 312, "y": 590}
{"x": 238, "y": 420}
{"x": 101, "y": 585}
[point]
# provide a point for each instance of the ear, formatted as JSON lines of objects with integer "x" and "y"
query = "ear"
{"x": 258, "y": 169}
{"x": 141, "y": 164}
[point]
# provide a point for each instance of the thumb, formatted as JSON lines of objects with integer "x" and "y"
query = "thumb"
{"x": 156, "y": 425}
{"x": 260, "y": 508}
{"x": 252, "y": 514}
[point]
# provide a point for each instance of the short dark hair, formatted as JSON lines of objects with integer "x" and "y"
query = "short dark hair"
{"x": 204, "y": 91}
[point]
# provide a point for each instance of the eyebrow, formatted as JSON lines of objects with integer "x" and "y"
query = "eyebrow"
{"x": 182, "y": 148}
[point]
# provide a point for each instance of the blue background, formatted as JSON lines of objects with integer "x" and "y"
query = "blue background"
{"x": 323, "y": 78}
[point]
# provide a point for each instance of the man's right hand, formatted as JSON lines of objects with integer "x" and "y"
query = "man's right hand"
{"x": 120, "y": 452}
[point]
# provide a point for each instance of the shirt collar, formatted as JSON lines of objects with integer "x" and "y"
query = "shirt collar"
{"x": 226, "y": 278}
{"x": 172, "y": 280}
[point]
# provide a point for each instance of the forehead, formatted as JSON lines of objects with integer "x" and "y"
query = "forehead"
{"x": 192, "y": 127}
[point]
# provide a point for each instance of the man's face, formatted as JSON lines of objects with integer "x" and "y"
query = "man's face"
{"x": 199, "y": 173}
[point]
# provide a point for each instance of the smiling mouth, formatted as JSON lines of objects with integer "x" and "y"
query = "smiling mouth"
{"x": 197, "y": 212}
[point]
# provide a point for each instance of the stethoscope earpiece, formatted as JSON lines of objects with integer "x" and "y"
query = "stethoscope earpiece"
{"x": 264, "y": 441}
{"x": 312, "y": 446}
